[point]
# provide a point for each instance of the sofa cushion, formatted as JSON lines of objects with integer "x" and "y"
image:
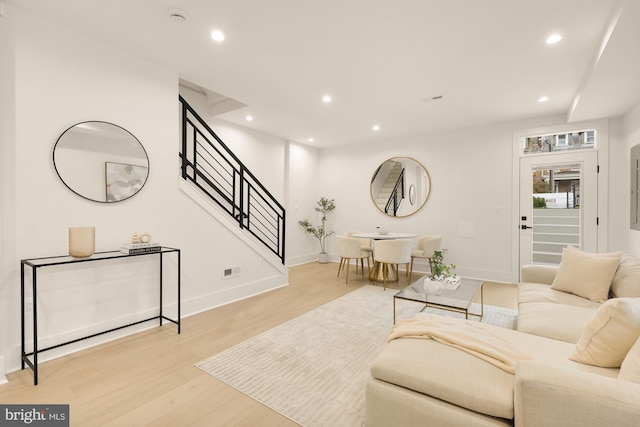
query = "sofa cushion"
{"x": 446, "y": 373}
{"x": 626, "y": 282}
{"x": 610, "y": 334}
{"x": 451, "y": 375}
{"x": 535, "y": 292}
{"x": 585, "y": 274}
{"x": 630, "y": 369}
{"x": 553, "y": 320}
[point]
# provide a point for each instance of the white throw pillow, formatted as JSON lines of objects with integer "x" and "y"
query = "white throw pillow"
{"x": 626, "y": 282}
{"x": 610, "y": 334}
{"x": 630, "y": 369}
{"x": 585, "y": 274}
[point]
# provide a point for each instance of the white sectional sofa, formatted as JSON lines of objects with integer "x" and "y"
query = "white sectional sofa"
{"x": 421, "y": 382}
{"x": 561, "y": 315}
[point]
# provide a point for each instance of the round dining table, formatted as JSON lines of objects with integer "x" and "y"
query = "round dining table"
{"x": 377, "y": 272}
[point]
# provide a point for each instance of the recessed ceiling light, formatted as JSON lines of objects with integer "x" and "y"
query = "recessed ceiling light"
{"x": 310, "y": 139}
{"x": 217, "y": 35}
{"x": 543, "y": 99}
{"x": 554, "y": 38}
{"x": 376, "y": 128}
{"x": 249, "y": 118}
{"x": 326, "y": 99}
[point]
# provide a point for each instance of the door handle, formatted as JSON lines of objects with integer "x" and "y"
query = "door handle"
{"x": 524, "y": 227}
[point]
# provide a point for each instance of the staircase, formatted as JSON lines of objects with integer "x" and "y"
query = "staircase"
{"x": 389, "y": 184}
{"x": 209, "y": 165}
{"x": 553, "y": 230}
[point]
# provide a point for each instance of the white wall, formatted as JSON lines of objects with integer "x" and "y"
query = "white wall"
{"x": 62, "y": 78}
{"x": 303, "y": 196}
{"x": 8, "y": 258}
{"x": 471, "y": 200}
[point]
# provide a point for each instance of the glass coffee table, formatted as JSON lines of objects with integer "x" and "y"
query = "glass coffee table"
{"x": 458, "y": 300}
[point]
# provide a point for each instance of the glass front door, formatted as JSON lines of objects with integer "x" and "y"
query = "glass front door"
{"x": 558, "y": 205}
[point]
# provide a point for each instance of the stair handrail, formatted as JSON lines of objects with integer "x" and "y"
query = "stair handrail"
{"x": 212, "y": 167}
{"x": 396, "y": 196}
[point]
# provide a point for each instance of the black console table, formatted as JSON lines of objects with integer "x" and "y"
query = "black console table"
{"x": 37, "y": 263}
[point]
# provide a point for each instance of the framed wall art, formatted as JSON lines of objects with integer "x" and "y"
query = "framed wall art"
{"x": 123, "y": 180}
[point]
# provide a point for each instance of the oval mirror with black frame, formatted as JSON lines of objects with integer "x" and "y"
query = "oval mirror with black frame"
{"x": 400, "y": 186}
{"x": 101, "y": 161}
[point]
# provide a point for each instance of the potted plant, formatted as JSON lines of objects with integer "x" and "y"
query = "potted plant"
{"x": 440, "y": 270}
{"x": 324, "y": 206}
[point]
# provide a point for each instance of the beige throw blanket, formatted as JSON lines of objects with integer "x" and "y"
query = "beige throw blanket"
{"x": 462, "y": 335}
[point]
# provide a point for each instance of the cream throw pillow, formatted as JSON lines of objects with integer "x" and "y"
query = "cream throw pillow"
{"x": 610, "y": 334}
{"x": 630, "y": 369}
{"x": 626, "y": 282}
{"x": 586, "y": 275}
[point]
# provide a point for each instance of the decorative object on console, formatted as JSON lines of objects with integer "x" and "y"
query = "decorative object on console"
{"x": 140, "y": 244}
{"x": 140, "y": 248}
{"x": 324, "y": 206}
{"x": 82, "y": 241}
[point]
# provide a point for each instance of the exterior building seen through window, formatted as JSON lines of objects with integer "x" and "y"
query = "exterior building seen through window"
{"x": 575, "y": 140}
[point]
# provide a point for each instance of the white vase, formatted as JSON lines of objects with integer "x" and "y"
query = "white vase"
{"x": 433, "y": 287}
{"x": 382, "y": 231}
{"x": 82, "y": 241}
{"x": 323, "y": 257}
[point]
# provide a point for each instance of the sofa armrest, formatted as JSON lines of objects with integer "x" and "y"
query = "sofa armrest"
{"x": 547, "y": 395}
{"x": 538, "y": 273}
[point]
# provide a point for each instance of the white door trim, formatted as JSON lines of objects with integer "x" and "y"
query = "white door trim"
{"x": 602, "y": 145}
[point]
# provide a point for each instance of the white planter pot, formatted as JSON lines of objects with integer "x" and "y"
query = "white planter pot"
{"x": 433, "y": 287}
{"x": 323, "y": 257}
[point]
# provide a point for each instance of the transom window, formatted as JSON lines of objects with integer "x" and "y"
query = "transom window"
{"x": 575, "y": 140}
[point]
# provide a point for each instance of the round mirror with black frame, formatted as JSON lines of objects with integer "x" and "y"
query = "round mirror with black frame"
{"x": 400, "y": 186}
{"x": 101, "y": 161}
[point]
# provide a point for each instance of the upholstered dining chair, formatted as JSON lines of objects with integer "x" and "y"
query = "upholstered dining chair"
{"x": 349, "y": 248}
{"x": 365, "y": 244}
{"x": 426, "y": 245}
{"x": 392, "y": 252}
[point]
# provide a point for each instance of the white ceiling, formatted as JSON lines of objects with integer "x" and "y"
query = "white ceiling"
{"x": 381, "y": 60}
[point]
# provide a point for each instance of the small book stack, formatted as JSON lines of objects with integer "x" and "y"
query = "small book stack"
{"x": 140, "y": 248}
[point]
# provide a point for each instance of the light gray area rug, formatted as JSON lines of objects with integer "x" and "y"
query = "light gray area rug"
{"x": 313, "y": 368}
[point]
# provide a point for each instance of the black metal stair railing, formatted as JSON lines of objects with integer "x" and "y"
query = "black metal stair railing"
{"x": 391, "y": 208}
{"x": 210, "y": 165}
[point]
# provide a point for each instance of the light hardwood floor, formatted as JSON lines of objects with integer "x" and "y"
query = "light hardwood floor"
{"x": 150, "y": 378}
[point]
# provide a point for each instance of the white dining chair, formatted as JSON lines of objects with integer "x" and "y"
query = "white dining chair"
{"x": 365, "y": 243}
{"x": 392, "y": 252}
{"x": 427, "y": 244}
{"x": 349, "y": 248}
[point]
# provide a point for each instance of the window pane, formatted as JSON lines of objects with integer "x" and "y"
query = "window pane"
{"x": 577, "y": 140}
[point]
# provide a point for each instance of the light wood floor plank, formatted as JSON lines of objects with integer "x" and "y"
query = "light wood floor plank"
{"x": 150, "y": 378}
